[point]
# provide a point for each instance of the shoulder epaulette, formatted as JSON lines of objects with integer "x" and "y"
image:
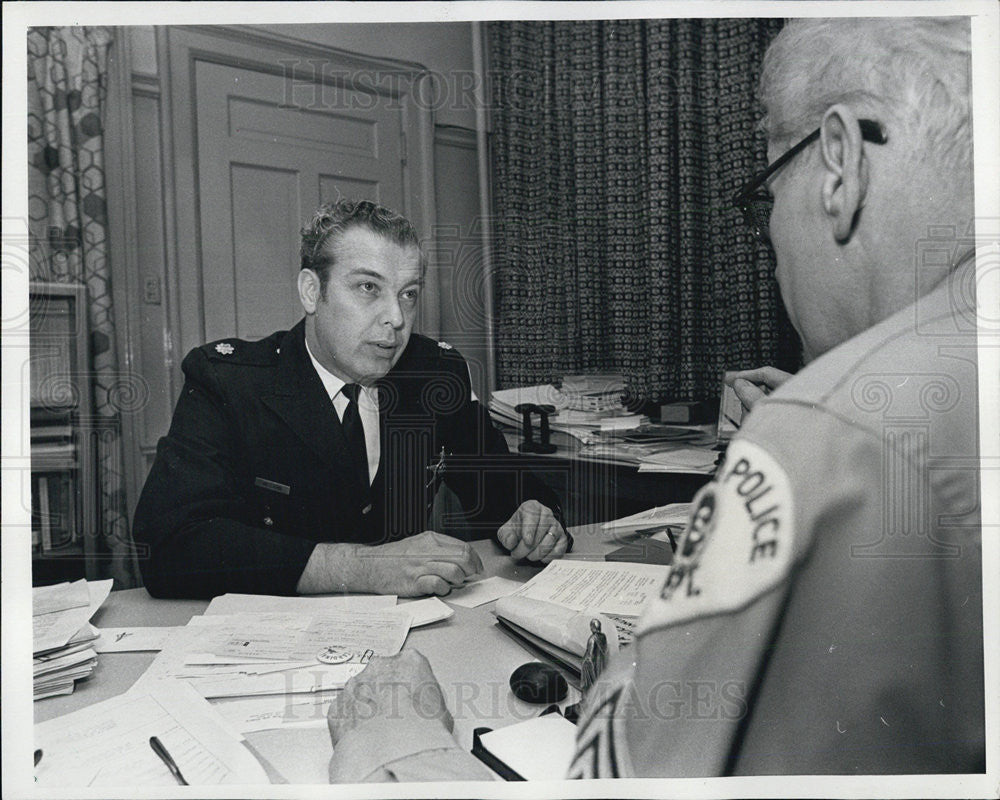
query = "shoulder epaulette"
{"x": 241, "y": 351}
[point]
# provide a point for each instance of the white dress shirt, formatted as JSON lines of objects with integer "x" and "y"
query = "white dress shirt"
{"x": 367, "y": 408}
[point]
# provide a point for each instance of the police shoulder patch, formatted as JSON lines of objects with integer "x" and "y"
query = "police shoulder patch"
{"x": 738, "y": 543}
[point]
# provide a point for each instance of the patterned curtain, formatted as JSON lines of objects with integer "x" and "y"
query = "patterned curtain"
{"x": 617, "y": 146}
{"x": 67, "y": 88}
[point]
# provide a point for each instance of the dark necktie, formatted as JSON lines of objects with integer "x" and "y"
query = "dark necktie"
{"x": 354, "y": 432}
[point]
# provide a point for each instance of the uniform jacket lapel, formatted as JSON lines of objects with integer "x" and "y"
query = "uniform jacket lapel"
{"x": 299, "y": 399}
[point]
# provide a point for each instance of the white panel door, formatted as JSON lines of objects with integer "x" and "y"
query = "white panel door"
{"x": 263, "y": 167}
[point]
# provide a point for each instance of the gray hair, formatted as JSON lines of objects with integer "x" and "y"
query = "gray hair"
{"x": 913, "y": 74}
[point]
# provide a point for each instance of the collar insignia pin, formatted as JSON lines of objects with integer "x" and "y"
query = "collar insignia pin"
{"x": 444, "y": 346}
{"x": 224, "y": 348}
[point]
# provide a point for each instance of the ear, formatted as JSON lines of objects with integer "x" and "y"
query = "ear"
{"x": 846, "y": 181}
{"x": 309, "y": 290}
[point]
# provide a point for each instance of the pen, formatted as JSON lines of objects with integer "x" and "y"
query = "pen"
{"x": 167, "y": 759}
{"x": 732, "y": 421}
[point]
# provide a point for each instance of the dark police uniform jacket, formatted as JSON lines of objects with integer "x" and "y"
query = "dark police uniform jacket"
{"x": 254, "y": 470}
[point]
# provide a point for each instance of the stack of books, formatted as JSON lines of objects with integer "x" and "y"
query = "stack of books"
{"x": 63, "y": 636}
{"x": 599, "y": 393}
{"x": 54, "y": 462}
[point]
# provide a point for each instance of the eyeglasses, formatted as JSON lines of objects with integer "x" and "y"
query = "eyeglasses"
{"x": 756, "y": 202}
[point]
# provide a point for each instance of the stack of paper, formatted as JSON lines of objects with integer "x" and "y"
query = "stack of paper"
{"x": 600, "y": 393}
{"x": 694, "y": 460}
{"x": 652, "y": 520}
{"x": 62, "y": 635}
{"x": 570, "y": 417}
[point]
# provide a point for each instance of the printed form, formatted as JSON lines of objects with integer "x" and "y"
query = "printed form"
{"x": 606, "y": 586}
{"x": 107, "y": 744}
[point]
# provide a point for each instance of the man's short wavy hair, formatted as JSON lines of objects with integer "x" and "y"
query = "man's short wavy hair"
{"x": 910, "y": 73}
{"x": 333, "y": 219}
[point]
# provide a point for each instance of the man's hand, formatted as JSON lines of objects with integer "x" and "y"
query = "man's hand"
{"x": 396, "y": 687}
{"x": 533, "y": 532}
{"x": 428, "y": 563}
{"x": 751, "y": 385}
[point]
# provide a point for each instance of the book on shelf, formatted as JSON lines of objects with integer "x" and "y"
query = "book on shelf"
{"x": 47, "y": 433}
{"x": 53, "y": 512}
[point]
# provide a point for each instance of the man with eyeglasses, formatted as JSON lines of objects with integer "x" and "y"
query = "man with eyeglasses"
{"x": 825, "y": 615}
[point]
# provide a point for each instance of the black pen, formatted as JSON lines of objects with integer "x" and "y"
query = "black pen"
{"x": 167, "y": 759}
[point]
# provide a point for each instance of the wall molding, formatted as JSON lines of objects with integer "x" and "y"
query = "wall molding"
{"x": 455, "y": 136}
{"x": 145, "y": 85}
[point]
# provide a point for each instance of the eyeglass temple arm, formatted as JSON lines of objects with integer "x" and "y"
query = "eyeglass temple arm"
{"x": 871, "y": 131}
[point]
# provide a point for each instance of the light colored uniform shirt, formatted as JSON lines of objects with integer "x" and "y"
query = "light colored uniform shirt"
{"x": 367, "y": 409}
{"x": 824, "y": 612}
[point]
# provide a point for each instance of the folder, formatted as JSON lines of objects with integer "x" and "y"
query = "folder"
{"x": 540, "y": 748}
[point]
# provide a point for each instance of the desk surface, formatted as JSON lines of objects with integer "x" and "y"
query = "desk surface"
{"x": 470, "y": 656}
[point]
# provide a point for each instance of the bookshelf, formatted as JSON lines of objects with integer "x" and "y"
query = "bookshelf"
{"x": 64, "y": 490}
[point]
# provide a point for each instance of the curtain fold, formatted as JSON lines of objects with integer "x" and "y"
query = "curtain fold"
{"x": 68, "y": 225}
{"x": 617, "y": 145}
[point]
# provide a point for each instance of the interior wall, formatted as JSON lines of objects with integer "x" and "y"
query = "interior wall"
{"x": 445, "y": 49}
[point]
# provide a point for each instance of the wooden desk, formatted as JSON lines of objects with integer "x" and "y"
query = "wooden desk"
{"x": 470, "y": 656}
{"x": 601, "y": 489}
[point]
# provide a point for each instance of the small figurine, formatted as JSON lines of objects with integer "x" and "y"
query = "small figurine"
{"x": 594, "y": 657}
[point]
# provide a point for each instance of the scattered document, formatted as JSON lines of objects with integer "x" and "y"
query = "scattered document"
{"x": 302, "y": 638}
{"x": 53, "y": 630}
{"x": 300, "y": 680}
{"x": 481, "y": 592}
{"x": 268, "y": 712}
{"x": 107, "y": 744}
{"x": 697, "y": 460}
{"x": 132, "y": 640}
{"x": 426, "y": 611}
{"x": 730, "y": 411}
{"x": 379, "y": 633}
{"x": 254, "y": 603}
{"x": 209, "y": 652}
{"x": 59, "y": 597}
{"x": 672, "y": 514}
{"x": 609, "y": 587}
{"x": 198, "y": 637}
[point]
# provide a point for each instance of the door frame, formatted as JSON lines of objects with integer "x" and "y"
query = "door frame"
{"x": 249, "y": 47}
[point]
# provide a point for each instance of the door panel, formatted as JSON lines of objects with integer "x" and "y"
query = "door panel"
{"x": 265, "y": 259}
{"x": 261, "y": 171}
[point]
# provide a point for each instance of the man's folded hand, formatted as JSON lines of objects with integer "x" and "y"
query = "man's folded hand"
{"x": 533, "y": 532}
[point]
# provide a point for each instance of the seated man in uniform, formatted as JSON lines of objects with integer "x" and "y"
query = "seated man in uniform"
{"x": 827, "y": 617}
{"x": 307, "y": 461}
